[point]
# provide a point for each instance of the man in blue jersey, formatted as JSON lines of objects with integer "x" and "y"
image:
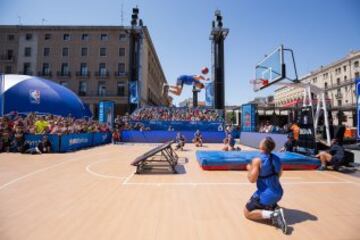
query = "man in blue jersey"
{"x": 266, "y": 170}
{"x": 186, "y": 80}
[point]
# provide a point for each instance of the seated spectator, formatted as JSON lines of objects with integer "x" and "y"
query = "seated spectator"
{"x": 197, "y": 139}
{"x": 180, "y": 141}
{"x": 335, "y": 156}
{"x": 19, "y": 144}
{"x": 5, "y": 139}
{"x": 45, "y": 145}
{"x": 289, "y": 145}
{"x": 229, "y": 142}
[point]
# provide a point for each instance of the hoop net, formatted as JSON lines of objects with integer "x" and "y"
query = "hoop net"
{"x": 259, "y": 83}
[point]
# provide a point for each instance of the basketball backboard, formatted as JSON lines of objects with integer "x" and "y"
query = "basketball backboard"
{"x": 271, "y": 68}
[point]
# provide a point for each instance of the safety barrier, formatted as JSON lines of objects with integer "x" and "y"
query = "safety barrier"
{"x": 182, "y": 125}
{"x": 164, "y": 136}
{"x": 70, "y": 142}
{"x": 252, "y": 139}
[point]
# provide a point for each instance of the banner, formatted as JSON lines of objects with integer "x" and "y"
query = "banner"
{"x": 106, "y": 112}
{"x": 101, "y": 138}
{"x": 2, "y": 95}
{"x": 248, "y": 121}
{"x": 306, "y": 143}
{"x": 181, "y": 125}
{"x": 133, "y": 90}
{"x": 358, "y": 106}
{"x": 209, "y": 94}
{"x": 34, "y": 140}
{"x": 71, "y": 142}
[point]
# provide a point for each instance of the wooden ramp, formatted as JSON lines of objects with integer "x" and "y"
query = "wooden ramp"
{"x": 94, "y": 194}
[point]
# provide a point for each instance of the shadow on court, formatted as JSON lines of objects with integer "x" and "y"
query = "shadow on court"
{"x": 294, "y": 216}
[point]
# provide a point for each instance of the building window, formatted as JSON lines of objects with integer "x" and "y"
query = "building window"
{"x": 356, "y": 64}
{"x": 345, "y": 78}
{"x": 28, "y": 36}
{"x": 64, "y": 83}
{"x": 65, "y": 52}
{"x": 45, "y": 69}
{"x": 9, "y": 54}
{"x": 83, "y": 69}
{"x": 85, "y": 36}
{"x": 101, "y": 89}
{"x": 122, "y": 36}
{"x": 11, "y": 37}
{"x": 121, "y": 52}
{"x": 325, "y": 85}
{"x": 121, "y": 67}
{"x": 8, "y": 69}
{"x": 344, "y": 67}
{"x": 357, "y": 74}
{"x": 339, "y": 103}
{"x": 338, "y": 81}
{"x": 102, "y": 69}
{"x": 104, "y": 37}
{"x": 46, "y": 52}
{"x": 27, "y": 52}
{"x": 102, "y": 52}
{"x": 27, "y": 69}
{"x": 121, "y": 89}
{"x": 325, "y": 75}
{"x": 84, "y": 52}
{"x": 315, "y": 80}
{"x": 66, "y": 37}
{"x": 64, "y": 69}
{"x": 82, "y": 88}
{"x": 47, "y": 36}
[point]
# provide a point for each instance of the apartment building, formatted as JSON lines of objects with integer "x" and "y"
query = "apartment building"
{"x": 337, "y": 80}
{"x": 92, "y": 61}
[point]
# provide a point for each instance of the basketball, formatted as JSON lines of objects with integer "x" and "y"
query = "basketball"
{"x": 204, "y": 70}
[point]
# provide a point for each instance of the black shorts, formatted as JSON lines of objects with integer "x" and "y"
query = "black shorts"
{"x": 254, "y": 203}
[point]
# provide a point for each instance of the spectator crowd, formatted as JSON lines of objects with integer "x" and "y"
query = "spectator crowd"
{"x": 176, "y": 114}
{"x": 13, "y": 128}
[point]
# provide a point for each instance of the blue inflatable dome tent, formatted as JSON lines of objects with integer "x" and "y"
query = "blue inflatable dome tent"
{"x": 25, "y": 94}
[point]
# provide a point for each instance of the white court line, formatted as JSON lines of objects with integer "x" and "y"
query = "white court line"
{"x": 126, "y": 180}
{"x": 226, "y": 183}
{"x": 92, "y": 172}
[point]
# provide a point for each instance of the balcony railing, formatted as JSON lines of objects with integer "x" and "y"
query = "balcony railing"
{"x": 120, "y": 74}
{"x": 44, "y": 73}
{"x": 338, "y": 95}
{"x": 107, "y": 93}
{"x": 7, "y": 58}
{"x": 63, "y": 74}
{"x": 83, "y": 74}
{"x": 26, "y": 72}
{"x": 102, "y": 74}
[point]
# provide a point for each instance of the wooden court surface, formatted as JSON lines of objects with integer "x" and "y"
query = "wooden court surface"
{"x": 93, "y": 194}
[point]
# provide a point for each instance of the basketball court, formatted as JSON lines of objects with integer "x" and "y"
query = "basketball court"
{"x": 94, "y": 194}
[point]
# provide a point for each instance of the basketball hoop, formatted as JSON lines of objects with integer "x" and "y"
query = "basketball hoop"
{"x": 259, "y": 83}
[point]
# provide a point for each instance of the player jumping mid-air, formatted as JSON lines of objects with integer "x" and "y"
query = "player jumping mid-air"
{"x": 186, "y": 80}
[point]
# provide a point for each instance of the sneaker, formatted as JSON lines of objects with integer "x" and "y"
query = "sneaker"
{"x": 321, "y": 168}
{"x": 165, "y": 89}
{"x": 278, "y": 219}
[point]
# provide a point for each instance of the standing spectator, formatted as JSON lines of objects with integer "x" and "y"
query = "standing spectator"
{"x": 115, "y": 136}
{"x": 41, "y": 125}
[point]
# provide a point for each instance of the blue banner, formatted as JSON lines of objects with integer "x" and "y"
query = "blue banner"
{"x": 101, "y": 138}
{"x": 209, "y": 94}
{"x": 248, "y": 121}
{"x": 106, "y": 112}
{"x": 133, "y": 89}
{"x": 182, "y": 125}
{"x": 34, "y": 140}
{"x": 73, "y": 142}
{"x": 358, "y": 106}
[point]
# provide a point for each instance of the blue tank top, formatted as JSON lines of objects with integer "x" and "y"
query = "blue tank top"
{"x": 269, "y": 189}
{"x": 187, "y": 79}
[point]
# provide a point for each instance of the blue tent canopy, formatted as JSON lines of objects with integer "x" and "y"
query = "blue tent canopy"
{"x": 25, "y": 94}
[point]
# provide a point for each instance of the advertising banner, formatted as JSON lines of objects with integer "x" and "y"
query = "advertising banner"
{"x": 182, "y": 125}
{"x": 106, "y": 112}
{"x": 306, "y": 143}
{"x": 248, "y": 121}
{"x": 101, "y": 138}
{"x": 209, "y": 94}
{"x": 133, "y": 90}
{"x": 71, "y": 142}
{"x": 34, "y": 140}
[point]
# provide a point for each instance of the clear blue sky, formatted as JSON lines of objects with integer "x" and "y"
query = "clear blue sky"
{"x": 319, "y": 31}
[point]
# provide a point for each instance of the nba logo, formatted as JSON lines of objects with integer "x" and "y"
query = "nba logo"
{"x": 34, "y": 96}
